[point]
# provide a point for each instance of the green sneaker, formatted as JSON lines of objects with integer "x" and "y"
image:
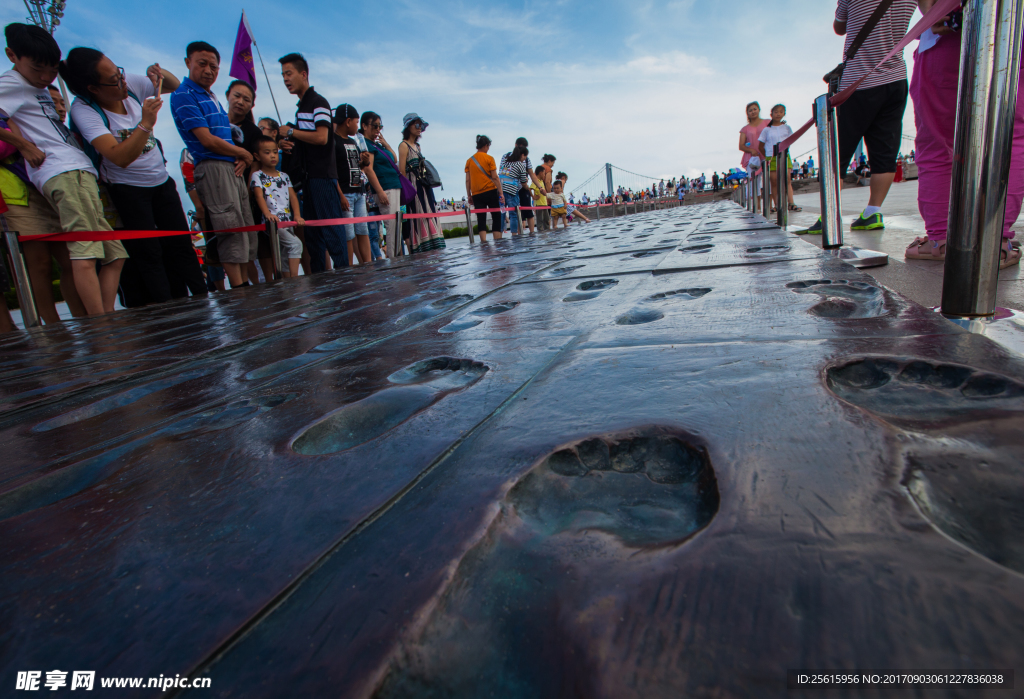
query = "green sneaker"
{"x": 871, "y": 223}
{"x": 813, "y": 230}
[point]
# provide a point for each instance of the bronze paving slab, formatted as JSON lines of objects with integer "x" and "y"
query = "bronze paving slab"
{"x": 591, "y": 463}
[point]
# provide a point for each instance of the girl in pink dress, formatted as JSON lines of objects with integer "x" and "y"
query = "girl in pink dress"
{"x": 749, "y": 136}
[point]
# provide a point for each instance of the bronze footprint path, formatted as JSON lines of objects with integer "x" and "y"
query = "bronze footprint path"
{"x": 670, "y": 454}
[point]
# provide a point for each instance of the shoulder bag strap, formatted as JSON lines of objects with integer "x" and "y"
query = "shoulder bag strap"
{"x": 868, "y": 27}
{"x": 480, "y": 167}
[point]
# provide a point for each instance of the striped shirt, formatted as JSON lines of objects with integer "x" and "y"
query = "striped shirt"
{"x": 889, "y": 31}
{"x": 312, "y": 111}
{"x": 512, "y": 175}
{"x": 193, "y": 107}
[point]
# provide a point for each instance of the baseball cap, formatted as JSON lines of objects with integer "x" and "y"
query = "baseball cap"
{"x": 344, "y": 112}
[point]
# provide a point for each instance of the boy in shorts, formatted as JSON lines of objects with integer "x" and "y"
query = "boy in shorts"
{"x": 277, "y": 200}
{"x": 57, "y": 165}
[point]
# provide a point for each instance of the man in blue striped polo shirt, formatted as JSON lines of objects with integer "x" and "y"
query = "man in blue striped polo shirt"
{"x": 220, "y": 165}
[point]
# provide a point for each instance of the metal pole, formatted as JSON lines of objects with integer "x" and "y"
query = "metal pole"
{"x": 598, "y": 209}
{"x": 989, "y": 70}
{"x": 275, "y": 245}
{"x": 399, "y": 242}
{"x": 519, "y": 219}
{"x": 780, "y": 170}
{"x": 766, "y": 199}
{"x": 22, "y": 283}
{"x": 469, "y": 223}
{"x": 828, "y": 174}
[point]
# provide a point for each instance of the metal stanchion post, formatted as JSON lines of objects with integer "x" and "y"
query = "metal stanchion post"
{"x": 598, "y": 210}
{"x": 828, "y": 182}
{"x": 399, "y": 241}
{"x": 989, "y": 69}
{"x": 828, "y": 174}
{"x": 519, "y": 219}
{"x": 469, "y": 223}
{"x": 780, "y": 169}
{"x": 26, "y": 299}
{"x": 275, "y": 244}
{"x": 766, "y": 199}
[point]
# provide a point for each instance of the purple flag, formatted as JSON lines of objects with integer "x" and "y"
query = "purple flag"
{"x": 241, "y": 62}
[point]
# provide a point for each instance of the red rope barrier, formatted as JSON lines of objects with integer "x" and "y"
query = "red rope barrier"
{"x": 91, "y": 236}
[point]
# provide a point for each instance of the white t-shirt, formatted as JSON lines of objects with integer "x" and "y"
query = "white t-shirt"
{"x": 772, "y": 135}
{"x": 33, "y": 111}
{"x": 148, "y": 169}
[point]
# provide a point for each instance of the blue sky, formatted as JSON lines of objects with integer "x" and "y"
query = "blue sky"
{"x": 657, "y": 88}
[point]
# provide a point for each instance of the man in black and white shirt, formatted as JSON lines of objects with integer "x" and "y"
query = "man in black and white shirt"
{"x": 875, "y": 110}
{"x": 313, "y": 138}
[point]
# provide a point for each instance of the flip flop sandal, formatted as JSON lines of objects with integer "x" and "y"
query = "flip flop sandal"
{"x": 1008, "y": 256}
{"x": 794, "y": 207}
{"x": 915, "y": 251}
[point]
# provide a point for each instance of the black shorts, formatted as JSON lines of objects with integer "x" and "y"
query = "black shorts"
{"x": 526, "y": 200}
{"x": 875, "y": 115}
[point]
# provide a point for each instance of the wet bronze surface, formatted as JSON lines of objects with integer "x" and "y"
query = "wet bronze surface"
{"x": 607, "y": 462}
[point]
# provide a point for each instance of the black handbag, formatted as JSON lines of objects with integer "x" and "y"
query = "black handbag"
{"x": 426, "y": 173}
{"x": 835, "y": 76}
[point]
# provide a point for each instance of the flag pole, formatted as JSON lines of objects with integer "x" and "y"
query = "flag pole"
{"x": 249, "y": 29}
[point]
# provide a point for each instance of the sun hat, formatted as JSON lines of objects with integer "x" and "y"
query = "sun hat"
{"x": 411, "y": 117}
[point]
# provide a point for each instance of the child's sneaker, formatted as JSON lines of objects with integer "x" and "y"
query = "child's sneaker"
{"x": 868, "y": 223}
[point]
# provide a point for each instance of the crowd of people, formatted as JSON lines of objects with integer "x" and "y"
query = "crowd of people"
{"x": 96, "y": 166}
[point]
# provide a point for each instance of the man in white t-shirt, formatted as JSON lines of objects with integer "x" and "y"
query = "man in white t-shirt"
{"x": 57, "y": 166}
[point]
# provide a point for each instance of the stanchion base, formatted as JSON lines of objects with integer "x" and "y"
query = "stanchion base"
{"x": 860, "y": 258}
{"x": 1005, "y": 327}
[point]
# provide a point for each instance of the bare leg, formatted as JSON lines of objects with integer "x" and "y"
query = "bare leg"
{"x": 251, "y": 273}
{"x": 234, "y": 272}
{"x": 363, "y": 252}
{"x": 37, "y": 260}
{"x": 88, "y": 285}
{"x": 293, "y": 267}
{"x": 880, "y": 188}
{"x": 300, "y": 233}
{"x": 110, "y": 277}
{"x": 67, "y": 279}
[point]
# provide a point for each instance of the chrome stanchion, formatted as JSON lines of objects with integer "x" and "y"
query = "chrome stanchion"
{"x": 781, "y": 217}
{"x": 22, "y": 283}
{"x": 989, "y": 69}
{"x": 519, "y": 219}
{"x": 766, "y": 199}
{"x": 829, "y": 186}
{"x": 275, "y": 244}
{"x": 469, "y": 223}
{"x": 598, "y": 209}
{"x": 828, "y": 174}
{"x": 399, "y": 240}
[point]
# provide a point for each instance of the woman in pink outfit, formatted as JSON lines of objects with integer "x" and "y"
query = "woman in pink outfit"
{"x": 933, "y": 88}
{"x": 749, "y": 136}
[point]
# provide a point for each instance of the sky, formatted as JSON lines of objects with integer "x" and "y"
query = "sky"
{"x": 655, "y": 88}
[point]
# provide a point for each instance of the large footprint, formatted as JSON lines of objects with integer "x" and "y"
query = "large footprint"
{"x": 590, "y": 289}
{"x": 120, "y": 400}
{"x": 915, "y": 393}
{"x": 962, "y": 467}
{"x": 432, "y": 309}
{"x": 316, "y": 353}
{"x": 475, "y": 318}
{"x": 74, "y": 478}
{"x": 842, "y": 298}
{"x": 419, "y": 386}
{"x": 647, "y": 489}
